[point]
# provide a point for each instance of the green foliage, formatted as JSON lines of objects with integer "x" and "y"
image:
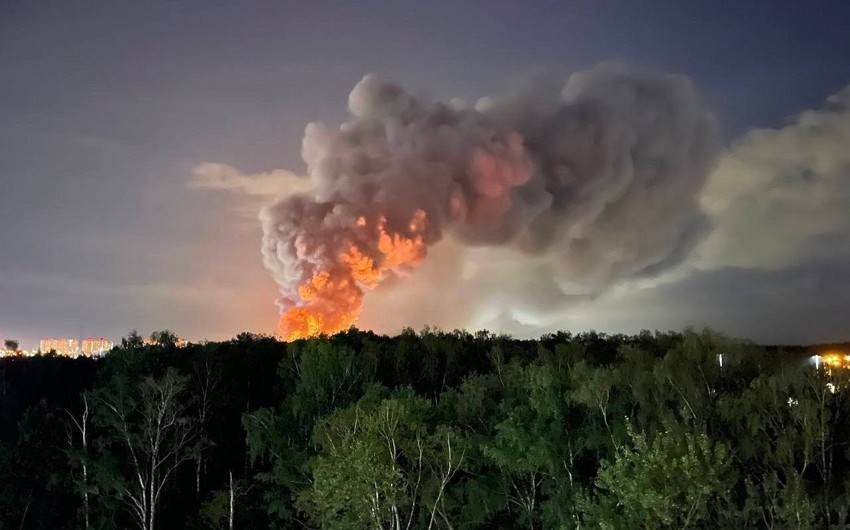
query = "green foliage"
{"x": 132, "y": 340}
{"x": 775, "y": 502}
{"x": 164, "y": 338}
{"x": 149, "y": 434}
{"x": 533, "y": 446}
{"x": 381, "y": 464}
{"x": 328, "y": 377}
{"x": 325, "y": 377}
{"x": 33, "y": 472}
{"x": 427, "y": 430}
{"x": 676, "y": 479}
{"x": 358, "y": 478}
{"x": 216, "y": 511}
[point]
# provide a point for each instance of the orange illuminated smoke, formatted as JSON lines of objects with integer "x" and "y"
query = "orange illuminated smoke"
{"x": 332, "y": 299}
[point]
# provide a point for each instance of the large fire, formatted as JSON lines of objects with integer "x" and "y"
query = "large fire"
{"x": 332, "y": 299}
{"x": 577, "y": 176}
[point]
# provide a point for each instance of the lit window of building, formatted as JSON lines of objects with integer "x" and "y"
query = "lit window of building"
{"x": 92, "y": 346}
{"x": 65, "y": 347}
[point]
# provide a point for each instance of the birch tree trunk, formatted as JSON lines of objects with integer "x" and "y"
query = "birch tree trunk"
{"x": 158, "y": 437}
{"x": 81, "y": 426}
{"x": 230, "y": 516}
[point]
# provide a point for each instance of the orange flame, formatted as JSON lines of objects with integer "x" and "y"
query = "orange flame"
{"x": 333, "y": 299}
{"x": 836, "y": 359}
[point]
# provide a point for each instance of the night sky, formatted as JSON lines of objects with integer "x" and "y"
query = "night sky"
{"x": 109, "y": 109}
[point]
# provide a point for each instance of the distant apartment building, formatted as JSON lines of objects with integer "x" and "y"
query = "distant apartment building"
{"x": 92, "y": 346}
{"x": 67, "y": 347}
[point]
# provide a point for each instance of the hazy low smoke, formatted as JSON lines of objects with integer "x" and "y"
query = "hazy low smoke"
{"x": 212, "y": 176}
{"x": 601, "y": 177}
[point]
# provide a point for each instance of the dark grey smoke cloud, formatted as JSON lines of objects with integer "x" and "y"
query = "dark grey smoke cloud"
{"x": 600, "y": 177}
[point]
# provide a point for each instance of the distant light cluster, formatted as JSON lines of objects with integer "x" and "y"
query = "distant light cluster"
{"x": 93, "y": 346}
{"x": 71, "y": 347}
{"x": 63, "y": 347}
{"x": 18, "y": 353}
{"x": 90, "y": 347}
{"x": 833, "y": 360}
{"x": 179, "y": 343}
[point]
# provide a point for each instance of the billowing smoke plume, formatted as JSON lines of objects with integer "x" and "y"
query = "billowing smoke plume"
{"x": 601, "y": 175}
{"x": 779, "y": 197}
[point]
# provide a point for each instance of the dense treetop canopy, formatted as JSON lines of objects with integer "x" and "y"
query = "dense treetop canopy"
{"x": 426, "y": 430}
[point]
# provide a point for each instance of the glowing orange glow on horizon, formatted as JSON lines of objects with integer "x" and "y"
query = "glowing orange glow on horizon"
{"x": 333, "y": 299}
{"x": 836, "y": 360}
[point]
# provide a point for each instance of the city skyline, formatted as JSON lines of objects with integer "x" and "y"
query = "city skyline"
{"x": 64, "y": 346}
{"x": 84, "y": 346}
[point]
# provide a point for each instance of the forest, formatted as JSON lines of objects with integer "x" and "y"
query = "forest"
{"x": 426, "y": 430}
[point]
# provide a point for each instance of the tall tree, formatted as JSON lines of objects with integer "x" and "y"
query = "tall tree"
{"x": 164, "y": 338}
{"x": 154, "y": 434}
{"x": 132, "y": 340}
{"x": 206, "y": 380}
{"x": 78, "y": 426}
{"x": 381, "y": 466}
